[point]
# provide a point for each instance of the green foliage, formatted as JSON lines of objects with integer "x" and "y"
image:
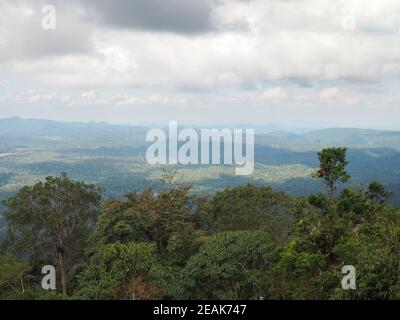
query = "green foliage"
{"x": 230, "y": 265}
{"x": 352, "y": 201}
{"x": 12, "y": 273}
{"x": 51, "y": 220}
{"x": 117, "y": 264}
{"x": 319, "y": 201}
{"x": 34, "y": 295}
{"x": 246, "y": 242}
{"x": 357, "y": 232}
{"x": 377, "y": 193}
{"x": 332, "y": 169}
{"x": 164, "y": 218}
{"x": 253, "y": 208}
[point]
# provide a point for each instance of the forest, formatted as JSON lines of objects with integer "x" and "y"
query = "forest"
{"x": 244, "y": 242}
{"x": 114, "y": 157}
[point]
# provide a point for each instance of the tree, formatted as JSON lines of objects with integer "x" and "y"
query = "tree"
{"x": 52, "y": 220}
{"x": 352, "y": 201}
{"x": 377, "y": 193}
{"x": 122, "y": 271}
{"x": 360, "y": 234}
{"x": 332, "y": 169}
{"x": 318, "y": 201}
{"x": 372, "y": 246}
{"x": 230, "y": 265}
{"x": 149, "y": 217}
{"x": 250, "y": 207}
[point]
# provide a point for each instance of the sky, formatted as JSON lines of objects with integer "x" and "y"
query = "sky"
{"x": 297, "y": 63}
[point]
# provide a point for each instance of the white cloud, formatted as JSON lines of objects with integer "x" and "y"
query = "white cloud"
{"x": 338, "y": 96}
{"x": 33, "y": 97}
{"x": 22, "y": 37}
{"x": 256, "y": 51}
{"x": 276, "y": 93}
{"x": 89, "y": 95}
{"x": 293, "y": 39}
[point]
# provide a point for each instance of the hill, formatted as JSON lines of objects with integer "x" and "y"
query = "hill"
{"x": 114, "y": 157}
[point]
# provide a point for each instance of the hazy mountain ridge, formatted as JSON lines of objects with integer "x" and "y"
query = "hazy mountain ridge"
{"x": 113, "y": 156}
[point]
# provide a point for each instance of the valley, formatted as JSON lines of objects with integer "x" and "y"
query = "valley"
{"x": 114, "y": 157}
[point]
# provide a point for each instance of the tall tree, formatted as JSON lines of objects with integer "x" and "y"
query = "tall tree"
{"x": 52, "y": 220}
{"x": 332, "y": 169}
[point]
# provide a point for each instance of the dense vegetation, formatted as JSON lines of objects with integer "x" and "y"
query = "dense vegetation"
{"x": 246, "y": 242}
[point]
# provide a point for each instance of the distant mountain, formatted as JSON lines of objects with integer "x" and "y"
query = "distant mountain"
{"x": 355, "y": 137}
{"x": 286, "y": 135}
{"x": 113, "y": 156}
{"x": 34, "y": 133}
{"x": 37, "y": 127}
{"x": 17, "y": 132}
{"x": 317, "y": 139}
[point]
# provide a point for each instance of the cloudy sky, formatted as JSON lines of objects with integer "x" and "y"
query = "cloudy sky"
{"x": 299, "y": 63}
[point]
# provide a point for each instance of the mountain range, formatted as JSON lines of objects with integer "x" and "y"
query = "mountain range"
{"x": 114, "y": 157}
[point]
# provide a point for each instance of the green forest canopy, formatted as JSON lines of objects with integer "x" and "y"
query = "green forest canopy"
{"x": 247, "y": 242}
